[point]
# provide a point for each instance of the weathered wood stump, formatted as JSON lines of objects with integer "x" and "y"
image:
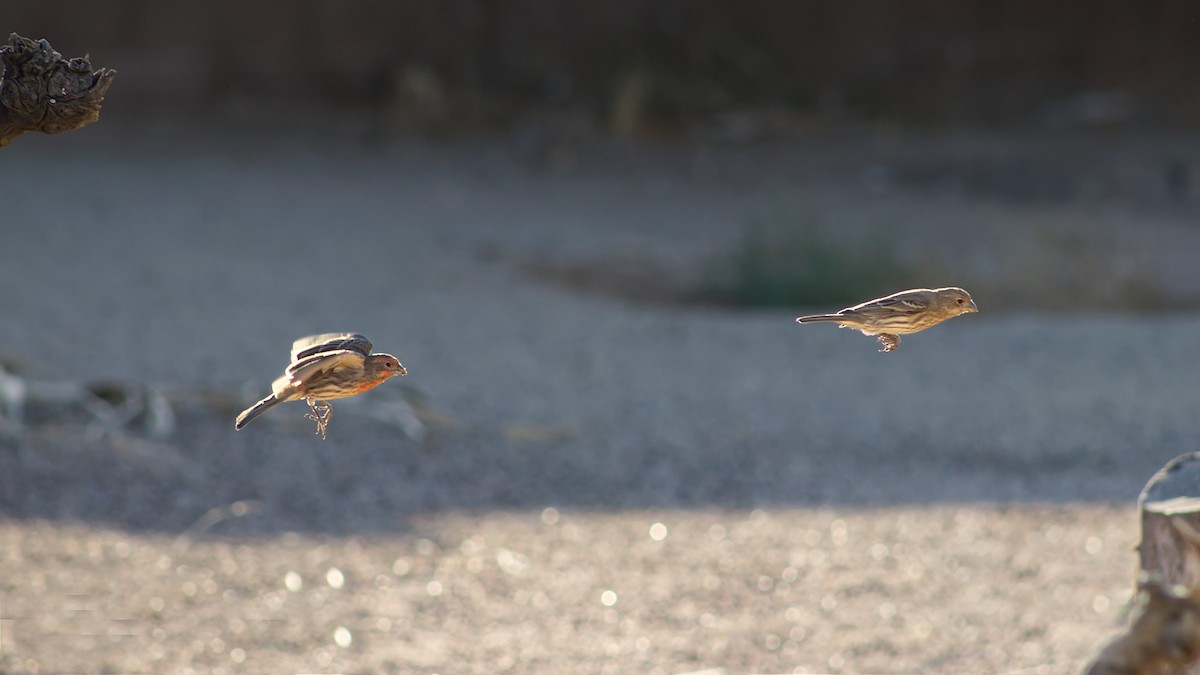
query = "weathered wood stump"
{"x": 1170, "y": 512}
{"x": 1164, "y": 636}
{"x": 42, "y": 91}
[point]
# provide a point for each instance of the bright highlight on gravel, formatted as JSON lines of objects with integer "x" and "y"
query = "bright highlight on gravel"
{"x": 343, "y": 637}
{"x": 608, "y": 598}
{"x": 335, "y": 578}
{"x": 293, "y": 582}
{"x": 658, "y": 532}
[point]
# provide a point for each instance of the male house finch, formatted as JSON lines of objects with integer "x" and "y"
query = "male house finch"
{"x": 323, "y": 367}
{"x": 901, "y": 313}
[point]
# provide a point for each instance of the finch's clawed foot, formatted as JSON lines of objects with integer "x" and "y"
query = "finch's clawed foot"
{"x": 322, "y": 412}
{"x": 889, "y": 341}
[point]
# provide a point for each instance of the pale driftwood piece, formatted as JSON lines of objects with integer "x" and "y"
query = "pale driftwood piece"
{"x": 1164, "y": 636}
{"x": 42, "y": 91}
{"x": 113, "y": 406}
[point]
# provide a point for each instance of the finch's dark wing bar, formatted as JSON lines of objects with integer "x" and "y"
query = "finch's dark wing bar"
{"x": 326, "y": 342}
{"x": 905, "y": 305}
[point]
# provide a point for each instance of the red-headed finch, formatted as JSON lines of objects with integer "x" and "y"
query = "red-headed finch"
{"x": 324, "y": 367}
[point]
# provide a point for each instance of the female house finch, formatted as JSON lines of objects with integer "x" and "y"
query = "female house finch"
{"x": 901, "y": 313}
{"x": 323, "y": 367}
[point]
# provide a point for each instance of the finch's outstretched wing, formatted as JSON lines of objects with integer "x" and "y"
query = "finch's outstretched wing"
{"x": 326, "y": 342}
{"x": 307, "y": 367}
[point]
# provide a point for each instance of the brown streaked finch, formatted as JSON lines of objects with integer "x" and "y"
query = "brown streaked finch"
{"x": 900, "y": 313}
{"x": 323, "y": 367}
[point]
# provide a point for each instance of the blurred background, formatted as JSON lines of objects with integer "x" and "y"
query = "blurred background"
{"x": 652, "y": 67}
{"x": 1083, "y": 102}
{"x": 585, "y": 230}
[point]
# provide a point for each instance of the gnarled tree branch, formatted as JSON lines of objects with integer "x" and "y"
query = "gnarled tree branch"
{"x": 42, "y": 91}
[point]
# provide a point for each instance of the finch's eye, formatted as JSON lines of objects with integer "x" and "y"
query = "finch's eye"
{"x": 960, "y": 301}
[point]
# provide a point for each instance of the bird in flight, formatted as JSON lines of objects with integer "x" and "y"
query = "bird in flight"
{"x": 900, "y": 313}
{"x": 324, "y": 367}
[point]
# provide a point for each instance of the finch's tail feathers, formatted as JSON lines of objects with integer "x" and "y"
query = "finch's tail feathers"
{"x": 255, "y": 410}
{"x": 812, "y": 318}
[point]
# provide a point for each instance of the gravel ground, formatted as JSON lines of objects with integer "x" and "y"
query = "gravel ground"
{"x": 918, "y": 589}
{"x": 962, "y": 505}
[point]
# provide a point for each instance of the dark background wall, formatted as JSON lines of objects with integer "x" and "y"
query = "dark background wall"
{"x": 920, "y": 61}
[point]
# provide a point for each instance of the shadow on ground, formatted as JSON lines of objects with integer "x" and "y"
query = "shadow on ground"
{"x": 368, "y": 478}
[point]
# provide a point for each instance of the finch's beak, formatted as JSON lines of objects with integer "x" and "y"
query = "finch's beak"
{"x": 400, "y": 369}
{"x": 972, "y": 308}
